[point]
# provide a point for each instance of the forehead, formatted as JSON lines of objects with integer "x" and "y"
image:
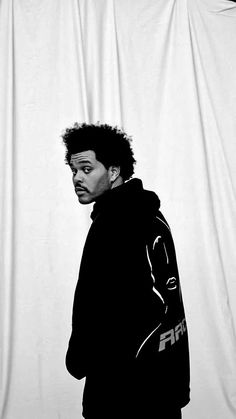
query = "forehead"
{"x": 87, "y": 156}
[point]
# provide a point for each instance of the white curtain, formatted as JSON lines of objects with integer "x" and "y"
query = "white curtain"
{"x": 165, "y": 71}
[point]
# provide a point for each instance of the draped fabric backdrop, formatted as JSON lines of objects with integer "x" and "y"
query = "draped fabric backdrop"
{"x": 164, "y": 70}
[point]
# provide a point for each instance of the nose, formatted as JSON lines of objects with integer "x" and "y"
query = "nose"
{"x": 78, "y": 177}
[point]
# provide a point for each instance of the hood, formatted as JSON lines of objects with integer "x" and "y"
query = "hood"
{"x": 131, "y": 196}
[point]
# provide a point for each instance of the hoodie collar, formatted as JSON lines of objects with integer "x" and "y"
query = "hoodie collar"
{"x": 130, "y": 193}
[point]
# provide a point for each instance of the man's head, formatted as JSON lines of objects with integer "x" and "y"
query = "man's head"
{"x": 100, "y": 157}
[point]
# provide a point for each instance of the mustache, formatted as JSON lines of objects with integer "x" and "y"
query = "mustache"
{"x": 80, "y": 187}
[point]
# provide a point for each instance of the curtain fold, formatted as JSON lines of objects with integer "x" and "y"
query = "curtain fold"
{"x": 7, "y": 248}
{"x": 164, "y": 71}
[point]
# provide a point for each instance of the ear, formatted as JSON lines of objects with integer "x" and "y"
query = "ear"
{"x": 114, "y": 172}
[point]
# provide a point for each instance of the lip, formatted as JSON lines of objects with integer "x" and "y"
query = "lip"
{"x": 77, "y": 190}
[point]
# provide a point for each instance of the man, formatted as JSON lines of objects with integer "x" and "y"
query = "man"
{"x": 129, "y": 335}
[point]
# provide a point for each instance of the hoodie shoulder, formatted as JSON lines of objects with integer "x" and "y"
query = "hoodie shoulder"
{"x": 151, "y": 201}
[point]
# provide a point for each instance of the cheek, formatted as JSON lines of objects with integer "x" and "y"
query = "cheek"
{"x": 102, "y": 184}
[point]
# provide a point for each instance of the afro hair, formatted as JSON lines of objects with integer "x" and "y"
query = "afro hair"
{"x": 111, "y": 145}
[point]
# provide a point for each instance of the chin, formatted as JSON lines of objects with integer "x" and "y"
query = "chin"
{"x": 85, "y": 201}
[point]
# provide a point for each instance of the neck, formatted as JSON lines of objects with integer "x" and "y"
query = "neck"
{"x": 119, "y": 181}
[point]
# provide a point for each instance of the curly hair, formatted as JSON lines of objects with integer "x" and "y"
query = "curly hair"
{"x": 111, "y": 145}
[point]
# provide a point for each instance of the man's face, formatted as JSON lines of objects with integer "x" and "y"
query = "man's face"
{"x": 90, "y": 177}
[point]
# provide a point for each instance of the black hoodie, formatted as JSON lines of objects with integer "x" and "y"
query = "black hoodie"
{"x": 129, "y": 335}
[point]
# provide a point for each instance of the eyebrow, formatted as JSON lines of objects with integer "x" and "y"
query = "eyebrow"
{"x": 81, "y": 162}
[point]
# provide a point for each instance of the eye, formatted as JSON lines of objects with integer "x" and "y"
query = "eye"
{"x": 87, "y": 169}
{"x": 74, "y": 172}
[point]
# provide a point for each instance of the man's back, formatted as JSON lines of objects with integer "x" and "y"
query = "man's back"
{"x": 129, "y": 334}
